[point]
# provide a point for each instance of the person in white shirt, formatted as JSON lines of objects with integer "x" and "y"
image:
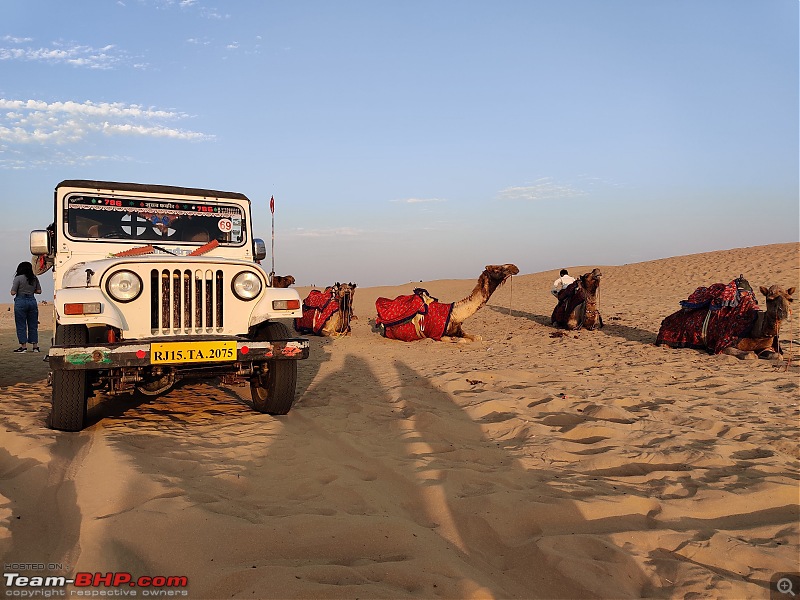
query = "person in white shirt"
{"x": 563, "y": 281}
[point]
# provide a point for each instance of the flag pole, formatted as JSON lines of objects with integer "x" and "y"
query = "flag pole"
{"x": 272, "y": 211}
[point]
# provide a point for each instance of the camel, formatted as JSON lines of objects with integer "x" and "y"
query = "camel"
{"x": 279, "y": 281}
{"x": 420, "y": 315}
{"x": 328, "y": 313}
{"x": 578, "y": 303}
{"x": 763, "y": 337}
{"x": 725, "y": 319}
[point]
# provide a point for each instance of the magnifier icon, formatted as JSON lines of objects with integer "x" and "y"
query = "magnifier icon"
{"x": 785, "y": 586}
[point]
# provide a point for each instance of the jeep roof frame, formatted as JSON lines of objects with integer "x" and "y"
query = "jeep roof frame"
{"x": 149, "y": 188}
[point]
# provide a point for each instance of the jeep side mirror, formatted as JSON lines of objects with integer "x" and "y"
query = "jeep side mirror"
{"x": 259, "y": 249}
{"x": 39, "y": 242}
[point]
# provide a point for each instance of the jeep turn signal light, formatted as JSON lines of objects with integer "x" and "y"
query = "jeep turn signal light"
{"x": 285, "y": 304}
{"x": 82, "y": 308}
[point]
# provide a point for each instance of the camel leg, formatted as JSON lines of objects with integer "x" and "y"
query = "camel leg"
{"x": 740, "y": 354}
{"x": 575, "y": 318}
{"x": 750, "y": 348}
{"x": 453, "y": 339}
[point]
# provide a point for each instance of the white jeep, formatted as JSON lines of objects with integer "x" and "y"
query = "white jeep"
{"x": 154, "y": 284}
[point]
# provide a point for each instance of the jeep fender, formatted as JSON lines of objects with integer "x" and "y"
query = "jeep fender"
{"x": 263, "y": 310}
{"x": 109, "y": 314}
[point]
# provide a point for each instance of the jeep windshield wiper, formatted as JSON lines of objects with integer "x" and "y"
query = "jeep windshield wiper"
{"x": 164, "y": 250}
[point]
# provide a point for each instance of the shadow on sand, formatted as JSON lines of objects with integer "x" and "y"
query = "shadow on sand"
{"x": 611, "y": 326}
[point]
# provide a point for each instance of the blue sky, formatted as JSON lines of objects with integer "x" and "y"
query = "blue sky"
{"x": 413, "y": 140}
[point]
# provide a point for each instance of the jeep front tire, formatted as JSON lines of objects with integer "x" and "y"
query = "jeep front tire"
{"x": 70, "y": 387}
{"x": 273, "y": 391}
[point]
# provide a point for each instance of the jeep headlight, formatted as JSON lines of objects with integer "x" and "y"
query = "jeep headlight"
{"x": 246, "y": 285}
{"x": 124, "y": 286}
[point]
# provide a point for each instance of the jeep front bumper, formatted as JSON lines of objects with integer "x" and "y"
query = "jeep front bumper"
{"x": 176, "y": 353}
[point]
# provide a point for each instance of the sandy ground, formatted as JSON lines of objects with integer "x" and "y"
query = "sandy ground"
{"x": 587, "y": 465}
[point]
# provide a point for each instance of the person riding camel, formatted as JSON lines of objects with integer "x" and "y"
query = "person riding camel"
{"x": 562, "y": 282}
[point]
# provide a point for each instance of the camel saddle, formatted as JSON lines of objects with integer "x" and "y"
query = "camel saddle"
{"x": 397, "y": 317}
{"x": 568, "y": 298}
{"x": 318, "y": 308}
{"x": 712, "y": 318}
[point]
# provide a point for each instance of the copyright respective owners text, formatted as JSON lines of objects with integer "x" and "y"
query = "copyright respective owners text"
{"x": 785, "y": 586}
{"x": 54, "y": 580}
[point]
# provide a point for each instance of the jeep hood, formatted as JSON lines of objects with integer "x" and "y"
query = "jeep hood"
{"x": 90, "y": 273}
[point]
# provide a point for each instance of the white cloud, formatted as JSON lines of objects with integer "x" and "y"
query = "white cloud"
{"x": 207, "y": 12}
{"x": 213, "y": 13}
{"x": 143, "y": 130}
{"x": 541, "y": 189}
{"x": 51, "y": 128}
{"x": 16, "y": 40}
{"x": 69, "y": 53}
{"x": 19, "y": 162}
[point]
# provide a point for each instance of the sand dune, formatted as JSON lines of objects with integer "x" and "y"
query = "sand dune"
{"x": 585, "y": 465}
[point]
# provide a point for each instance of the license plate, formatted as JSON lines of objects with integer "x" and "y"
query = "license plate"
{"x": 189, "y": 352}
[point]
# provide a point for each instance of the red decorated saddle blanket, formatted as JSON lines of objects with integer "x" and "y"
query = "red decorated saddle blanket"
{"x": 318, "y": 308}
{"x": 413, "y": 317}
{"x": 568, "y": 298}
{"x": 713, "y": 317}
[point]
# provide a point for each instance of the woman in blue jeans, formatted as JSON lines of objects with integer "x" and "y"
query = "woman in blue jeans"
{"x": 26, "y": 309}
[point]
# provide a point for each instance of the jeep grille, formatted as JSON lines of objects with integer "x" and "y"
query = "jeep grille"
{"x": 186, "y": 301}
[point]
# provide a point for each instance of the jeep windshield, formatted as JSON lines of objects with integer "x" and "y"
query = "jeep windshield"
{"x": 96, "y": 217}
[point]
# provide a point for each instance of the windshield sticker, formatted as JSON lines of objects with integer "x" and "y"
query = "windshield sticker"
{"x": 127, "y": 224}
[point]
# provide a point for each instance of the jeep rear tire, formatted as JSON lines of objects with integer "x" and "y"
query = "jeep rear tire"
{"x": 70, "y": 388}
{"x": 273, "y": 391}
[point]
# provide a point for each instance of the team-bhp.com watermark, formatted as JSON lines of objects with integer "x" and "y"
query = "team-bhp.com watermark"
{"x": 19, "y": 583}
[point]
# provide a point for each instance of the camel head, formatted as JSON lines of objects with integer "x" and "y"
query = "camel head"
{"x": 279, "y": 281}
{"x": 344, "y": 289}
{"x": 778, "y": 301}
{"x": 499, "y": 273}
{"x": 494, "y": 276}
{"x": 344, "y": 293}
{"x": 591, "y": 281}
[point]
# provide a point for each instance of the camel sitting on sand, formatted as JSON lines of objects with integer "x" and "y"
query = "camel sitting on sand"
{"x": 328, "y": 313}
{"x": 279, "y": 281}
{"x": 420, "y": 315}
{"x": 578, "y": 303}
{"x": 725, "y": 319}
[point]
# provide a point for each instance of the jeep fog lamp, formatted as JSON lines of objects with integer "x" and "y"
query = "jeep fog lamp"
{"x": 124, "y": 286}
{"x": 246, "y": 285}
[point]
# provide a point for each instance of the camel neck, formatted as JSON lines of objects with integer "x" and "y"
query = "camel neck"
{"x": 468, "y": 306}
{"x": 768, "y": 325}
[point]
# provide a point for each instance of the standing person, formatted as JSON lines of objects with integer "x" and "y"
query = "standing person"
{"x": 563, "y": 281}
{"x": 26, "y": 309}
